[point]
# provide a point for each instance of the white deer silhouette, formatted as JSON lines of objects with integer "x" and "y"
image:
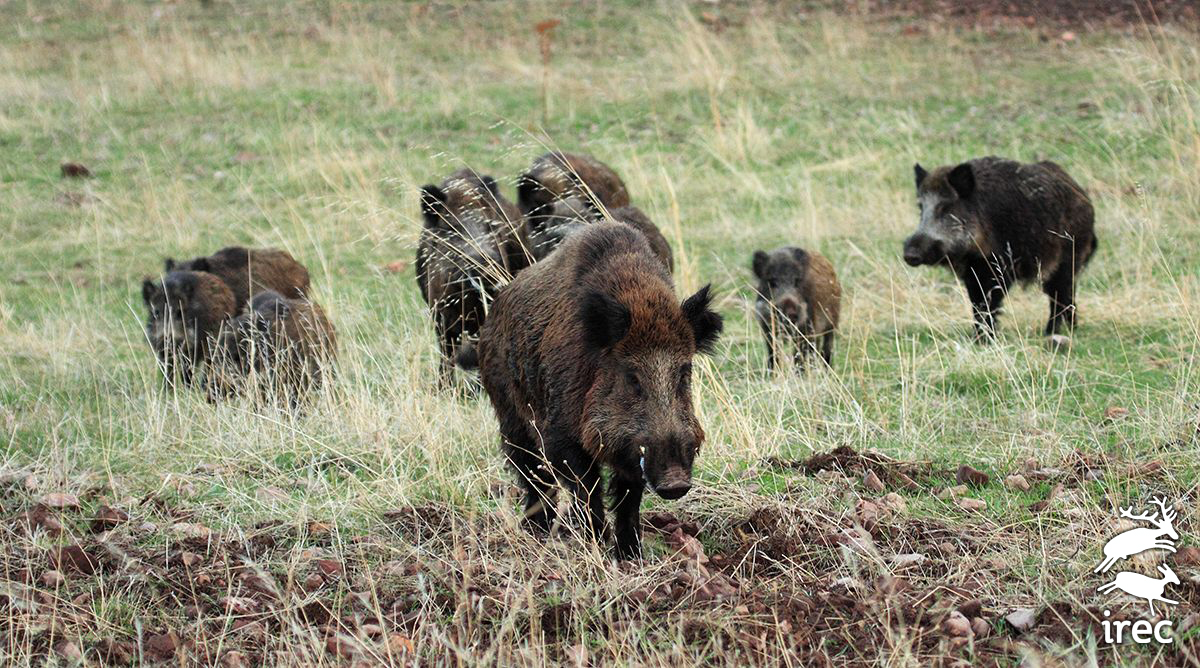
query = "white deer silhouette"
{"x": 1139, "y": 540}
{"x": 1141, "y": 586}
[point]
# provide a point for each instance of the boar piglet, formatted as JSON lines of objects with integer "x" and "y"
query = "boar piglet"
{"x": 995, "y": 222}
{"x": 186, "y": 313}
{"x": 587, "y": 359}
{"x": 463, "y": 257}
{"x": 286, "y": 346}
{"x": 248, "y": 271}
{"x": 799, "y": 300}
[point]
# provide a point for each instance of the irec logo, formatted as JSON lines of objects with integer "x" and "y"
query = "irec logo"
{"x": 1160, "y": 535}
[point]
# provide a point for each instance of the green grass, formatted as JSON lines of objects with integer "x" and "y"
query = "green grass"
{"x": 310, "y": 126}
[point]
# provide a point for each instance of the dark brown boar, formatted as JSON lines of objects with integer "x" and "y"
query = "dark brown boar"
{"x": 248, "y": 271}
{"x": 557, "y": 176}
{"x": 285, "y": 347}
{"x": 462, "y": 258}
{"x": 186, "y": 312}
{"x": 995, "y": 222}
{"x": 587, "y": 359}
{"x": 799, "y": 299}
{"x": 566, "y": 216}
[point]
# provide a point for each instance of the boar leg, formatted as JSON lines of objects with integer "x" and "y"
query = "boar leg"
{"x": 534, "y": 476}
{"x": 772, "y": 343}
{"x": 1060, "y": 287}
{"x": 827, "y": 348}
{"x": 627, "y": 501}
{"x": 986, "y": 289}
{"x": 581, "y": 474}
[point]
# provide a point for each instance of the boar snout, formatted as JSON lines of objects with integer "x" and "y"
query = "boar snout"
{"x": 675, "y": 483}
{"x": 920, "y": 249}
{"x": 790, "y": 307}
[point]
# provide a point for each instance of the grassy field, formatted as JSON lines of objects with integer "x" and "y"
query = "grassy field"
{"x": 381, "y": 527}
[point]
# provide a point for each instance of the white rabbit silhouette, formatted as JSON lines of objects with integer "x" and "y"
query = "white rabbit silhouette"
{"x": 1141, "y": 586}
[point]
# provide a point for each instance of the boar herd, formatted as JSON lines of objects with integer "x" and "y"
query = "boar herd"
{"x": 241, "y": 317}
{"x": 565, "y": 305}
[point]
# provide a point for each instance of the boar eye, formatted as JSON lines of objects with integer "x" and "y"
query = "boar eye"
{"x": 632, "y": 379}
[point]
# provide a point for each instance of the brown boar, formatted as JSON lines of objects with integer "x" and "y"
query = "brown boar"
{"x": 186, "y": 313}
{"x": 287, "y": 347}
{"x": 461, "y": 260}
{"x": 587, "y": 359}
{"x": 566, "y": 216}
{"x": 799, "y": 299}
{"x": 248, "y": 271}
{"x": 556, "y": 176}
{"x": 994, "y": 222}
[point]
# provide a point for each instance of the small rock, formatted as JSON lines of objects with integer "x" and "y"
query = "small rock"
{"x": 69, "y": 650}
{"x": 59, "y": 500}
{"x": 946, "y": 547}
{"x": 372, "y": 630}
{"x": 1022, "y": 620}
{"x": 53, "y": 579}
{"x": 1057, "y": 342}
{"x": 971, "y": 607}
{"x": 1067, "y": 36}
{"x": 980, "y": 627}
{"x": 951, "y": 492}
{"x": 894, "y": 502}
{"x": 313, "y": 582}
{"x": 398, "y": 643}
{"x": 108, "y": 517}
{"x": 1017, "y": 481}
{"x": 74, "y": 170}
{"x": 1114, "y": 413}
{"x": 329, "y": 567}
{"x": 972, "y": 504}
{"x": 1187, "y": 556}
{"x": 872, "y": 482}
{"x": 866, "y": 513}
{"x": 956, "y": 624}
{"x": 972, "y": 476}
{"x": 73, "y": 558}
{"x": 234, "y": 659}
{"x": 163, "y": 645}
{"x": 902, "y": 561}
{"x": 190, "y": 559}
{"x": 189, "y": 530}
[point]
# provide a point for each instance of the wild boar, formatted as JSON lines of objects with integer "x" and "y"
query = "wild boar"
{"x": 461, "y": 259}
{"x": 557, "y": 175}
{"x": 566, "y": 216}
{"x": 994, "y": 222}
{"x": 799, "y": 299}
{"x": 248, "y": 271}
{"x": 286, "y": 346}
{"x": 587, "y": 359}
{"x": 186, "y": 312}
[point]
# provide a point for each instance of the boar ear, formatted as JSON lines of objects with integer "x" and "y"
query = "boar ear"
{"x": 920, "y": 173}
{"x": 530, "y": 194}
{"x": 201, "y": 264}
{"x": 433, "y": 205}
{"x": 760, "y": 263}
{"x": 706, "y": 323}
{"x": 605, "y": 320}
{"x": 490, "y": 184}
{"x": 962, "y": 179}
{"x": 149, "y": 287}
{"x": 168, "y": 265}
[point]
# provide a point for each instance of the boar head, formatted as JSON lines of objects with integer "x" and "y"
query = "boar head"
{"x": 638, "y": 413}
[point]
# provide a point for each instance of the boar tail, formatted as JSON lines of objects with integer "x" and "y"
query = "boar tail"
{"x": 468, "y": 357}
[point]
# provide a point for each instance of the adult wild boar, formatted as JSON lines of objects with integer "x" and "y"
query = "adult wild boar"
{"x": 995, "y": 222}
{"x": 186, "y": 313}
{"x": 587, "y": 359}
{"x": 288, "y": 347}
{"x": 248, "y": 271}
{"x": 799, "y": 299}
{"x": 467, "y": 250}
{"x": 566, "y": 216}
{"x": 556, "y": 176}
